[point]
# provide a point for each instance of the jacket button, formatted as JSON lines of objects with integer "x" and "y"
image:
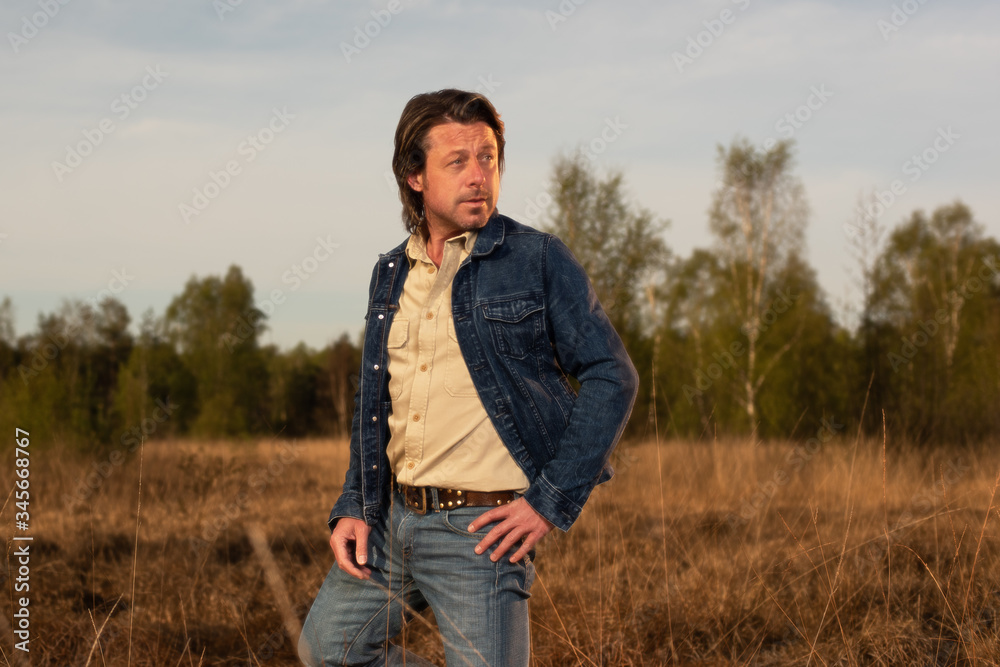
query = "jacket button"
{"x": 392, "y": 264}
{"x": 375, "y": 367}
{"x": 374, "y": 418}
{"x": 381, "y": 317}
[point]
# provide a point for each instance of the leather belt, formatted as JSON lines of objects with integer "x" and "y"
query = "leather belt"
{"x": 420, "y": 499}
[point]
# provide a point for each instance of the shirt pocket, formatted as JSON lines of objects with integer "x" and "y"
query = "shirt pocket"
{"x": 399, "y": 336}
{"x": 517, "y": 325}
{"x": 457, "y": 381}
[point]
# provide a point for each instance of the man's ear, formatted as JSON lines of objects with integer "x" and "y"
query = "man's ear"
{"x": 416, "y": 181}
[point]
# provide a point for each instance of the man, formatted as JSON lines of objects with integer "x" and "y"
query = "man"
{"x": 468, "y": 443}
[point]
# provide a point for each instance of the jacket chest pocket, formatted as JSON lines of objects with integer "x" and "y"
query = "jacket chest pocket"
{"x": 517, "y": 325}
{"x": 399, "y": 336}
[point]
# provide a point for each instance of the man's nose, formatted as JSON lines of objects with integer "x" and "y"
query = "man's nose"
{"x": 476, "y": 174}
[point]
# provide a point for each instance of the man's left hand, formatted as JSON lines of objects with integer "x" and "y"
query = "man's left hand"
{"x": 518, "y": 522}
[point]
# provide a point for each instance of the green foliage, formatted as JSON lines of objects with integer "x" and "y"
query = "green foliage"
{"x": 620, "y": 247}
{"x": 214, "y": 326}
{"x": 737, "y": 338}
{"x": 743, "y": 306}
{"x": 930, "y": 326}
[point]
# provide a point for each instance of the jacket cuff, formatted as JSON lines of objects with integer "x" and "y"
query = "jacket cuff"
{"x": 552, "y": 504}
{"x": 347, "y": 505}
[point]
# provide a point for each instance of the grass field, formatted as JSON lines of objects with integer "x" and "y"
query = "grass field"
{"x": 715, "y": 553}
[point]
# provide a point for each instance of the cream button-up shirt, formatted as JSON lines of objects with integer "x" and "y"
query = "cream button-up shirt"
{"x": 440, "y": 434}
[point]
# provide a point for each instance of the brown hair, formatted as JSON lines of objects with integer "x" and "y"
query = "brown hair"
{"x": 420, "y": 114}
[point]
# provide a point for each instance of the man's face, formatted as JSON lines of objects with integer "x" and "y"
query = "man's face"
{"x": 461, "y": 179}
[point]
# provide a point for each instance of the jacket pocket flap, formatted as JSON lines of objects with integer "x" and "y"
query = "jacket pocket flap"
{"x": 513, "y": 310}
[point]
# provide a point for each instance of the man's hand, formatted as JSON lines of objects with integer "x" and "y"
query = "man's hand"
{"x": 349, "y": 542}
{"x": 518, "y": 521}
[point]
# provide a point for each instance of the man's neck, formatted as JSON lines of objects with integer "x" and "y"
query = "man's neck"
{"x": 435, "y": 243}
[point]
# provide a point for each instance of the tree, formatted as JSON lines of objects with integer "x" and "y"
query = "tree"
{"x": 758, "y": 216}
{"x": 154, "y": 377}
{"x": 215, "y": 326}
{"x": 619, "y": 246}
{"x": 343, "y": 360}
{"x": 8, "y": 342}
{"x": 934, "y": 301}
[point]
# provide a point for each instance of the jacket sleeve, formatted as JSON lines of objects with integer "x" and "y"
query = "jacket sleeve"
{"x": 588, "y": 348}
{"x": 351, "y": 500}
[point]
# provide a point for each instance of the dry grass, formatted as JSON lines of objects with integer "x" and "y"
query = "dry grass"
{"x": 711, "y": 554}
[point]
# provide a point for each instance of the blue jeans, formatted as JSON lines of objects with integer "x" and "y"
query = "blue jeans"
{"x": 418, "y": 561}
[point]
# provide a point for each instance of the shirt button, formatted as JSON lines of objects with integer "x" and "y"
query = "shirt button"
{"x": 416, "y": 417}
{"x": 423, "y": 367}
{"x": 430, "y": 269}
{"x": 430, "y": 316}
{"x": 411, "y": 465}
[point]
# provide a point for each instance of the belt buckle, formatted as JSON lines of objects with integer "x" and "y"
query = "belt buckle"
{"x": 423, "y": 501}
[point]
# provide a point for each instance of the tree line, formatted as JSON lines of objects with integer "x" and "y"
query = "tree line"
{"x": 736, "y": 338}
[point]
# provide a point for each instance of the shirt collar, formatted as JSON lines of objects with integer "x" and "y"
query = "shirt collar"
{"x": 416, "y": 247}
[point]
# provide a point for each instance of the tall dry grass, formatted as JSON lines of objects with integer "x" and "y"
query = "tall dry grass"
{"x": 718, "y": 553}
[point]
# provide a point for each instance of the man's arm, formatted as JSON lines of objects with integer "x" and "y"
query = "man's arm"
{"x": 350, "y": 503}
{"x": 588, "y": 348}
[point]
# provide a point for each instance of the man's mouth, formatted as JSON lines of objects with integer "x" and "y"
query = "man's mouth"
{"x": 480, "y": 198}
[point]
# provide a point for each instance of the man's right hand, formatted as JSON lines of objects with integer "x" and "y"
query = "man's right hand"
{"x": 349, "y": 542}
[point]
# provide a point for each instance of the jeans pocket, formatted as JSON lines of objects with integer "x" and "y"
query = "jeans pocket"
{"x": 457, "y": 521}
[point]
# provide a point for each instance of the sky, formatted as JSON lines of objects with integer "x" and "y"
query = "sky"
{"x": 146, "y": 143}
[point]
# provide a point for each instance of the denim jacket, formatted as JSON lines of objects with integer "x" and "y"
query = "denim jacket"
{"x": 526, "y": 316}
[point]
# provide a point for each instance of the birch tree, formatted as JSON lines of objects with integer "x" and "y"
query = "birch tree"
{"x": 758, "y": 217}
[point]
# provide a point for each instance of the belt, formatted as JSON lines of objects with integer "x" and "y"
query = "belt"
{"x": 421, "y": 498}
